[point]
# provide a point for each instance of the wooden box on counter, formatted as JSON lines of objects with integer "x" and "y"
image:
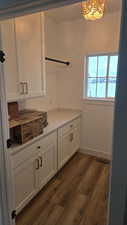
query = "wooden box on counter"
{"x": 28, "y": 125}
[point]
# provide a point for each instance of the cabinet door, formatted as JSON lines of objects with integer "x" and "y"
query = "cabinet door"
{"x": 75, "y": 143}
{"x": 47, "y": 159}
{"x": 25, "y": 183}
{"x": 10, "y": 65}
{"x": 48, "y": 165}
{"x": 64, "y": 149}
{"x": 30, "y": 52}
{"x": 68, "y": 141}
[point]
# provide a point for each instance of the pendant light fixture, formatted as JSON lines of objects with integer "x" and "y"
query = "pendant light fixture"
{"x": 93, "y": 9}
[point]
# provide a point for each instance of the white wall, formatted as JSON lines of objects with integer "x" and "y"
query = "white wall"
{"x": 80, "y": 38}
{"x": 97, "y": 127}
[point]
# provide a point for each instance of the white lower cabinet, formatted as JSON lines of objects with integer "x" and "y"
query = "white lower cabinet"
{"x": 25, "y": 184}
{"x": 76, "y": 139}
{"x": 64, "y": 149}
{"x": 68, "y": 141}
{"x": 33, "y": 166}
{"x": 47, "y": 148}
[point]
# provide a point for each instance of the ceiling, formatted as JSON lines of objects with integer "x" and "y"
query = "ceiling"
{"x": 73, "y": 12}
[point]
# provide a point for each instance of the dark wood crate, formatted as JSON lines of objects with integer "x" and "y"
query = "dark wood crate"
{"x": 37, "y": 127}
{"x": 28, "y": 131}
{"x": 28, "y": 125}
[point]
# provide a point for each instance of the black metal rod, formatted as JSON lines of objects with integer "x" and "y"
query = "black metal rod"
{"x": 57, "y": 61}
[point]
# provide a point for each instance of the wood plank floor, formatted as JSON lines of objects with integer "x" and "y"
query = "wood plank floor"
{"x": 77, "y": 195}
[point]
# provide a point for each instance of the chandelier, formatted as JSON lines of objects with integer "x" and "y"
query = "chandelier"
{"x": 93, "y": 9}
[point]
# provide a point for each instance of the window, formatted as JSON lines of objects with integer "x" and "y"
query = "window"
{"x": 101, "y": 76}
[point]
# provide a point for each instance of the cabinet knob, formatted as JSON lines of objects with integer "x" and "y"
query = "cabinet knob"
{"x": 38, "y": 147}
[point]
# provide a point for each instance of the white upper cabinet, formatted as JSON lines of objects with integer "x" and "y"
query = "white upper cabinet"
{"x": 25, "y": 55}
{"x": 30, "y": 53}
{"x": 10, "y": 65}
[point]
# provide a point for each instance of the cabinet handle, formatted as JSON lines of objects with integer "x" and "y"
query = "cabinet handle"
{"x": 71, "y": 137}
{"x": 26, "y": 87}
{"x": 37, "y": 164}
{"x": 22, "y": 88}
{"x": 41, "y": 160}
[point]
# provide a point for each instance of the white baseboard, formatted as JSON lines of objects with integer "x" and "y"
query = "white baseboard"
{"x": 96, "y": 153}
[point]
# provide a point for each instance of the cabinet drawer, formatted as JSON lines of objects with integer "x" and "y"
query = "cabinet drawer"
{"x": 27, "y": 152}
{"x": 20, "y": 157}
{"x": 70, "y": 126}
{"x": 46, "y": 141}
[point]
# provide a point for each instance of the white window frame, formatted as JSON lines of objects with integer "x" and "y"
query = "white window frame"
{"x": 85, "y": 85}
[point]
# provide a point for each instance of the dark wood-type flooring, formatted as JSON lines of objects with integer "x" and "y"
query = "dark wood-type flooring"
{"x": 77, "y": 195}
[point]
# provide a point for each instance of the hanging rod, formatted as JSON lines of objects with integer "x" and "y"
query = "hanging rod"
{"x": 57, "y": 61}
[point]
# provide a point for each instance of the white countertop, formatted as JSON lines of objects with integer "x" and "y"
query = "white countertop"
{"x": 56, "y": 119}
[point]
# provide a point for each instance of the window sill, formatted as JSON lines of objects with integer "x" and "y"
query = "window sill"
{"x": 101, "y": 101}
